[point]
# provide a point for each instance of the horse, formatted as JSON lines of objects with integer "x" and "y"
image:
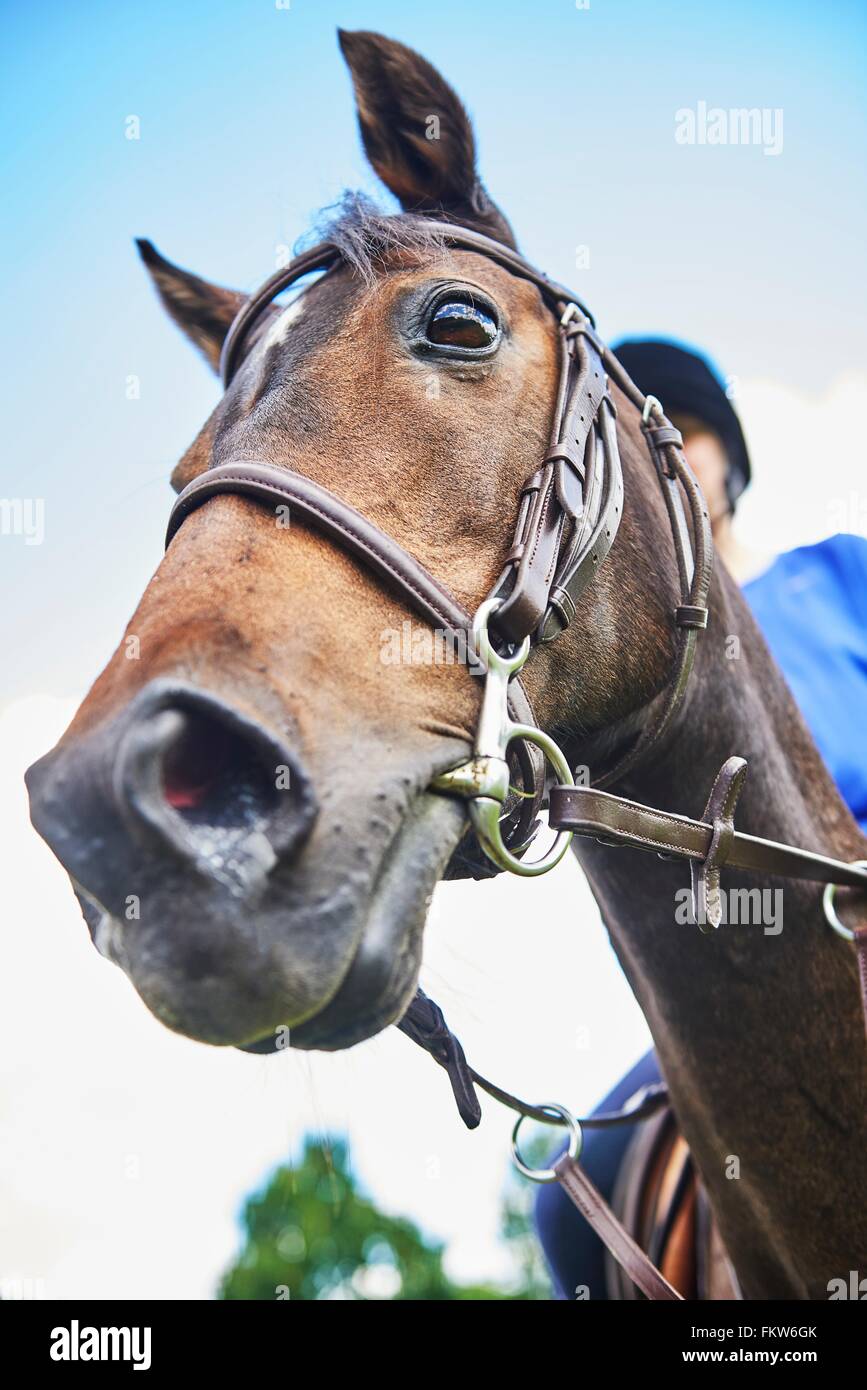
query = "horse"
{"x": 254, "y": 813}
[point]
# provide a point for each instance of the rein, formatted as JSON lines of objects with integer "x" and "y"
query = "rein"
{"x": 569, "y": 511}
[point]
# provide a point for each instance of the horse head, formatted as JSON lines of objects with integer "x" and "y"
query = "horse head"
{"x": 244, "y": 800}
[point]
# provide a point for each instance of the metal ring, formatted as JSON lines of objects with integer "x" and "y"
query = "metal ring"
{"x": 485, "y": 809}
{"x": 650, "y": 404}
{"x": 828, "y": 898}
{"x": 485, "y": 813}
{"x": 485, "y": 650}
{"x": 486, "y": 816}
{"x": 576, "y": 1141}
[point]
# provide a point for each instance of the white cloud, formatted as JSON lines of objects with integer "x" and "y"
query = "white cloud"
{"x": 808, "y": 462}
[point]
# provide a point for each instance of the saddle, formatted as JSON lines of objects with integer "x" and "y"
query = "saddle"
{"x": 661, "y": 1202}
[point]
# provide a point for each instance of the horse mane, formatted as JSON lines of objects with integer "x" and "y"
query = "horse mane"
{"x": 367, "y": 237}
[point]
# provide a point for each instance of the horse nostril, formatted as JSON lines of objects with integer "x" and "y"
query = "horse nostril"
{"x": 212, "y": 776}
{"x": 212, "y": 785}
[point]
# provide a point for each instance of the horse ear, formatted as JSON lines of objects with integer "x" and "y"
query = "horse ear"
{"x": 203, "y": 311}
{"x": 417, "y": 134}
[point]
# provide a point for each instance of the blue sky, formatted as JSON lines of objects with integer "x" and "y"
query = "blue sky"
{"x": 247, "y": 129}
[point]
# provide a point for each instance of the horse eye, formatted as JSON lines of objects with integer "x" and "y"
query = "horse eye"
{"x": 460, "y": 323}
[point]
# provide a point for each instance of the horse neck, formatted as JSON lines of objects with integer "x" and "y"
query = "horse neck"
{"x": 757, "y": 1027}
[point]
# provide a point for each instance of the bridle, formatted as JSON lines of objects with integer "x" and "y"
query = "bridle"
{"x": 569, "y": 512}
{"x": 568, "y": 515}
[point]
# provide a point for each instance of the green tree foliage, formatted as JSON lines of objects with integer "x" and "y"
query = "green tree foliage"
{"x": 310, "y": 1234}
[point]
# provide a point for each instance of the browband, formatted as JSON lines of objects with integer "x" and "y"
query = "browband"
{"x": 326, "y": 254}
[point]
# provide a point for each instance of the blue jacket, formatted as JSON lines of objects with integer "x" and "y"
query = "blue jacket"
{"x": 812, "y": 608}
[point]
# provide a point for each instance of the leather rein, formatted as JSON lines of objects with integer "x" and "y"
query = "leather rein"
{"x": 569, "y": 511}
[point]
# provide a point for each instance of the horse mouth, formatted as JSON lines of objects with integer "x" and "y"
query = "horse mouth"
{"x": 316, "y": 942}
{"x": 380, "y": 980}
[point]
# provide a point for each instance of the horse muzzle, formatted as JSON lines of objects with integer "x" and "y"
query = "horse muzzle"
{"x": 180, "y": 777}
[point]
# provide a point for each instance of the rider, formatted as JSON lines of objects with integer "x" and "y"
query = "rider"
{"x": 811, "y": 604}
